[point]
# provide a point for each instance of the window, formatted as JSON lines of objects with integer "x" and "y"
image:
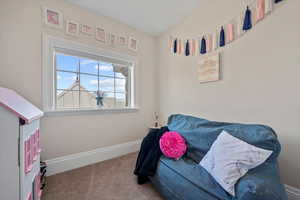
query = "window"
{"x": 83, "y": 78}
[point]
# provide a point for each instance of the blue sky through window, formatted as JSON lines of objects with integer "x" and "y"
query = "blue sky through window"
{"x": 89, "y": 82}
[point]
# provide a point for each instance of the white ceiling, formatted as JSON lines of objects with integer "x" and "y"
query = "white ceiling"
{"x": 151, "y": 16}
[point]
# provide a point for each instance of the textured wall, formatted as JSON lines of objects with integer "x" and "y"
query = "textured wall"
{"x": 21, "y": 69}
{"x": 260, "y": 76}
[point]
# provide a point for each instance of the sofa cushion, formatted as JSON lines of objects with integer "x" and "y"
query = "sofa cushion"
{"x": 189, "y": 173}
{"x": 172, "y": 145}
{"x": 229, "y": 159}
{"x": 201, "y": 133}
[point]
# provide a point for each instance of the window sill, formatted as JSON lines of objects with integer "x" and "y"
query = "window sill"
{"x": 90, "y": 111}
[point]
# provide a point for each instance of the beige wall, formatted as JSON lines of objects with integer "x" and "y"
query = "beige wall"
{"x": 260, "y": 76}
{"x": 259, "y": 83}
{"x": 20, "y": 69}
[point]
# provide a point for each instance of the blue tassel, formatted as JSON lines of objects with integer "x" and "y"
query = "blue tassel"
{"x": 222, "y": 37}
{"x": 203, "y": 46}
{"x": 175, "y": 46}
{"x": 278, "y": 1}
{"x": 187, "y": 48}
{"x": 247, "y": 21}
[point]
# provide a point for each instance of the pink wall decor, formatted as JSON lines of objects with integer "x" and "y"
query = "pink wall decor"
{"x": 209, "y": 43}
{"x": 53, "y": 18}
{"x": 193, "y": 47}
{"x": 100, "y": 34}
{"x": 260, "y": 10}
{"x": 133, "y": 44}
{"x": 215, "y": 41}
{"x": 230, "y": 33}
{"x": 179, "y": 46}
{"x": 234, "y": 27}
{"x": 86, "y": 29}
{"x": 72, "y": 28}
{"x": 170, "y": 44}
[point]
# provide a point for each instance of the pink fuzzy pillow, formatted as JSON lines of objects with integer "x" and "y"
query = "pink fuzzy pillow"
{"x": 172, "y": 145}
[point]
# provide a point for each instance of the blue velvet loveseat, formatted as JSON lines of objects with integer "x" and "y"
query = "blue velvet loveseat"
{"x": 185, "y": 179}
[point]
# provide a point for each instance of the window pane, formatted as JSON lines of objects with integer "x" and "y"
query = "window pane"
{"x": 121, "y": 85}
{"x": 107, "y": 84}
{"x": 121, "y": 72}
{"x": 66, "y": 80}
{"x": 67, "y": 99}
{"x": 88, "y": 82}
{"x": 65, "y": 62}
{"x": 88, "y": 99}
{"x": 109, "y": 100}
{"x": 88, "y": 66}
{"x": 120, "y": 100}
{"x": 106, "y": 69}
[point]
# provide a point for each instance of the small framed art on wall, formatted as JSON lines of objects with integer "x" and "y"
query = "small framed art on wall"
{"x": 53, "y": 18}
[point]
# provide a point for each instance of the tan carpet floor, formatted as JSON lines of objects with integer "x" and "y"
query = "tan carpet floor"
{"x": 108, "y": 180}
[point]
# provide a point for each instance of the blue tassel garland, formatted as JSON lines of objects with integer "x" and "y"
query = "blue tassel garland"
{"x": 248, "y": 20}
{"x": 187, "y": 48}
{"x": 203, "y": 46}
{"x": 175, "y": 46}
{"x": 222, "y": 37}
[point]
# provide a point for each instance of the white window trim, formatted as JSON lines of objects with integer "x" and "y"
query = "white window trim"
{"x": 49, "y": 45}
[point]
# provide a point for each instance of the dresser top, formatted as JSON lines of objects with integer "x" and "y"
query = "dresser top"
{"x": 18, "y": 105}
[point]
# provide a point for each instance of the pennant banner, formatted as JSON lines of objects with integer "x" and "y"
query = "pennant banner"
{"x": 225, "y": 34}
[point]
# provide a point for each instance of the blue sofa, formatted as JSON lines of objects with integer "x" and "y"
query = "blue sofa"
{"x": 185, "y": 179}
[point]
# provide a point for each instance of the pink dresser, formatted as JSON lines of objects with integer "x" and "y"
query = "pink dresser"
{"x": 19, "y": 147}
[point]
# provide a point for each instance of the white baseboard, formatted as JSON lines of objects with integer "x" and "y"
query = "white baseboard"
{"x": 66, "y": 163}
{"x": 293, "y": 193}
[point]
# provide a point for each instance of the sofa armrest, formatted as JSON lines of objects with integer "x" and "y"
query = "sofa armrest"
{"x": 261, "y": 183}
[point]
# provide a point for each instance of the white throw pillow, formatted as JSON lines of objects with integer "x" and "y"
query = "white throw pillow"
{"x": 230, "y": 158}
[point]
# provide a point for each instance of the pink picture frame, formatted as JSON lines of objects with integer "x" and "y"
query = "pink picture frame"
{"x": 112, "y": 39}
{"x": 86, "y": 29}
{"x": 122, "y": 41}
{"x": 72, "y": 28}
{"x": 133, "y": 44}
{"x": 53, "y": 18}
{"x": 100, "y": 34}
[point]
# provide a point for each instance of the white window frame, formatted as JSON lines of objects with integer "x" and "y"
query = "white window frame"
{"x": 51, "y": 44}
